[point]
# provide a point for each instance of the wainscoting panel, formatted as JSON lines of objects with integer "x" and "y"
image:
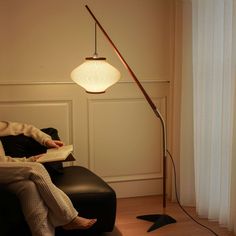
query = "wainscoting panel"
{"x": 115, "y": 134}
{"x": 126, "y": 137}
{"x": 43, "y": 113}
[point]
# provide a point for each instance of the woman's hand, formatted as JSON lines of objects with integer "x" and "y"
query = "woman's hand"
{"x": 49, "y": 144}
{"x": 53, "y": 143}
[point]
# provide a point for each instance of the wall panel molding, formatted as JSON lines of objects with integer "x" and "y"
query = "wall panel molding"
{"x": 13, "y": 83}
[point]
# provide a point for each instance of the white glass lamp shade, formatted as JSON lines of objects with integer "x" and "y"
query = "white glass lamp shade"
{"x": 95, "y": 75}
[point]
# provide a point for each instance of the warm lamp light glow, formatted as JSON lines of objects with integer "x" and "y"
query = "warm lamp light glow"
{"x": 95, "y": 75}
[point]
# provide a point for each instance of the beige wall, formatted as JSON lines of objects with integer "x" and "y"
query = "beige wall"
{"x": 187, "y": 184}
{"x": 44, "y": 40}
{"x": 114, "y": 134}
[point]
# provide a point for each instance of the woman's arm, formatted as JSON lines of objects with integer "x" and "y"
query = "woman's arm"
{"x": 18, "y": 159}
{"x": 15, "y": 128}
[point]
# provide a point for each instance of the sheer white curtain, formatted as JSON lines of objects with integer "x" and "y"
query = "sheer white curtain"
{"x": 213, "y": 81}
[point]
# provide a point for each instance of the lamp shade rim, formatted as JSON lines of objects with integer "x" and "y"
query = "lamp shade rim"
{"x": 96, "y": 58}
{"x": 91, "y": 92}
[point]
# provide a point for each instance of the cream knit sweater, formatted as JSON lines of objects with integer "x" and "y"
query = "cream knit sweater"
{"x": 14, "y": 128}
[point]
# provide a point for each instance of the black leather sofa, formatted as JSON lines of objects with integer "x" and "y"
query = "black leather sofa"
{"x": 91, "y": 196}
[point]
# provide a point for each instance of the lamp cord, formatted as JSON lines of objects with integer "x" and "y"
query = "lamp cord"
{"x": 95, "y": 40}
{"x": 177, "y": 198}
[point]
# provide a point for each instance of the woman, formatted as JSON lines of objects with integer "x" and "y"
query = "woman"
{"x": 43, "y": 204}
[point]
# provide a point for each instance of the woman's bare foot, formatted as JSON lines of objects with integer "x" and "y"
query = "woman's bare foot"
{"x": 79, "y": 223}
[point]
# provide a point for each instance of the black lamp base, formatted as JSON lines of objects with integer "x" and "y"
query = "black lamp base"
{"x": 158, "y": 220}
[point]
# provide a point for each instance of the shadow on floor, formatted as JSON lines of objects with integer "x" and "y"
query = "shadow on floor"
{"x": 115, "y": 232}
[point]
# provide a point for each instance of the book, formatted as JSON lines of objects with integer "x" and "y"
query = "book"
{"x": 57, "y": 154}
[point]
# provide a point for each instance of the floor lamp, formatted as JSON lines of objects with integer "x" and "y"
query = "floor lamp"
{"x": 96, "y": 75}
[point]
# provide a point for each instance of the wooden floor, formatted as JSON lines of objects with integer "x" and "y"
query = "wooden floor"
{"x": 128, "y": 225}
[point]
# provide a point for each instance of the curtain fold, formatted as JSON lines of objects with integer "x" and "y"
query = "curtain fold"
{"x": 214, "y": 126}
{"x": 233, "y": 166}
{"x": 233, "y": 177}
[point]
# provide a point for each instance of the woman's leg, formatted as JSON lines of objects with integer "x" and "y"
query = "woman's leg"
{"x": 33, "y": 207}
{"x": 61, "y": 211}
{"x": 60, "y": 208}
